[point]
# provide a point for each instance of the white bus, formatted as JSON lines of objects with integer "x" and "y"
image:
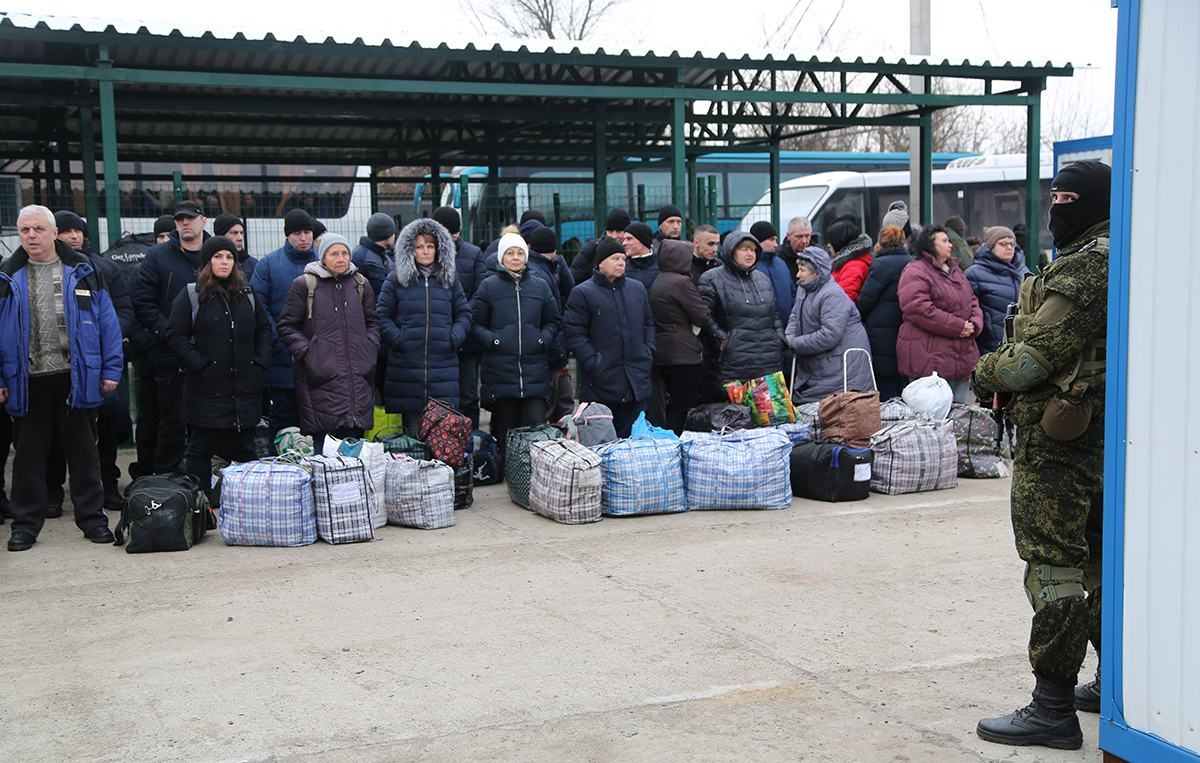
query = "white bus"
{"x": 983, "y": 190}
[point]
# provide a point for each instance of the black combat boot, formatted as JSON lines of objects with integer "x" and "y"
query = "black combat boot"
{"x": 1087, "y": 696}
{"x": 1049, "y": 720}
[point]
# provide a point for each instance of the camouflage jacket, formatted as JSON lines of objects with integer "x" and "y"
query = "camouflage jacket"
{"x": 1058, "y": 342}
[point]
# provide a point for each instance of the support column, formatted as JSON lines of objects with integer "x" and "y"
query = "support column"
{"x": 435, "y": 183}
{"x": 91, "y": 201}
{"x": 373, "y": 189}
{"x": 678, "y": 147}
{"x": 1033, "y": 171}
{"x": 919, "y": 45}
{"x": 925, "y": 149}
{"x": 600, "y": 175}
{"x": 108, "y": 151}
{"x": 464, "y": 191}
{"x": 692, "y": 210}
{"x": 774, "y": 182}
{"x": 713, "y": 212}
{"x": 66, "y": 190}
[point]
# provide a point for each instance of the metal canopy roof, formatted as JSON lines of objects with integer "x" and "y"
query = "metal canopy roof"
{"x": 204, "y": 98}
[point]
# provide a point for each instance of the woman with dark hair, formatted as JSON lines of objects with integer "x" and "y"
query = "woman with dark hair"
{"x": 850, "y": 249}
{"x": 425, "y": 318}
{"x": 879, "y": 305}
{"x": 221, "y": 335}
{"x": 328, "y": 324}
{"x": 941, "y": 315}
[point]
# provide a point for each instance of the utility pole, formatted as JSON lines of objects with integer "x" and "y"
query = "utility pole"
{"x": 919, "y": 45}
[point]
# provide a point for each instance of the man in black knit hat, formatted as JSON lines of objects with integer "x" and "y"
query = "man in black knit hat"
{"x": 585, "y": 260}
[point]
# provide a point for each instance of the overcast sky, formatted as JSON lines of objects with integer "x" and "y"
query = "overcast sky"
{"x": 1082, "y": 32}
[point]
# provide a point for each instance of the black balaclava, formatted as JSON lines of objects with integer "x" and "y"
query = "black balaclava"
{"x": 1090, "y": 179}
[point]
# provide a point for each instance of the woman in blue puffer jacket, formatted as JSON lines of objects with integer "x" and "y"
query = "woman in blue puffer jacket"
{"x": 996, "y": 280}
{"x": 424, "y": 318}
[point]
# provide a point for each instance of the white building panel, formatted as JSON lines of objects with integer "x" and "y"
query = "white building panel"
{"x": 1161, "y": 629}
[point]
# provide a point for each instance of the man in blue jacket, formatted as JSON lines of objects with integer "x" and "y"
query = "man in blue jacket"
{"x": 610, "y": 328}
{"x": 61, "y": 354}
{"x": 167, "y": 270}
{"x": 272, "y": 278}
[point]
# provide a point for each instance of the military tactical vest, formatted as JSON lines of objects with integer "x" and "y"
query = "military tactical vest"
{"x": 1089, "y": 366}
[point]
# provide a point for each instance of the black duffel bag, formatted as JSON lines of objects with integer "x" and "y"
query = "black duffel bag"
{"x": 164, "y": 512}
{"x": 717, "y": 417}
{"x": 827, "y": 471}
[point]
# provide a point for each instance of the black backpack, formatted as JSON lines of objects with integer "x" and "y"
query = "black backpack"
{"x": 164, "y": 512}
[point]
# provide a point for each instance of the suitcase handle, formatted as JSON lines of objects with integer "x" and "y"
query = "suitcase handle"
{"x": 846, "y": 371}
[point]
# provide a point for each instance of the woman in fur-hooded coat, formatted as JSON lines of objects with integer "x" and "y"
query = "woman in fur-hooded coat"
{"x": 424, "y": 319}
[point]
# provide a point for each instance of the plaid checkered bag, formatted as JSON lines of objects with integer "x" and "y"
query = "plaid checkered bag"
{"x": 516, "y": 459}
{"x": 267, "y": 503}
{"x": 420, "y": 494}
{"x": 891, "y": 411}
{"x": 398, "y": 443}
{"x": 641, "y": 476}
{"x": 564, "y": 483}
{"x": 746, "y": 469}
{"x": 342, "y": 496}
{"x": 914, "y": 456}
{"x": 446, "y": 432}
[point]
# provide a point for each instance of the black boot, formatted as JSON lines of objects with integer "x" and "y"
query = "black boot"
{"x": 54, "y": 501}
{"x": 113, "y": 499}
{"x": 1049, "y": 720}
{"x": 1087, "y": 696}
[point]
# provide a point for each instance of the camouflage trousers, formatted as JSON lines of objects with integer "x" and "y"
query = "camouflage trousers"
{"x": 1057, "y": 491}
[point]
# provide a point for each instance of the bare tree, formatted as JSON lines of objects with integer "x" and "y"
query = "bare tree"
{"x": 552, "y": 19}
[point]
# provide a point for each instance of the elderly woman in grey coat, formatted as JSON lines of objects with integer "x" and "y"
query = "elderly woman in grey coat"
{"x": 824, "y": 324}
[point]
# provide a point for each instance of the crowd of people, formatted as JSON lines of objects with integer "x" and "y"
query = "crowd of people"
{"x": 319, "y": 332}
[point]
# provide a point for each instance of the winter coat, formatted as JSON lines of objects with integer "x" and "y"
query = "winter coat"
{"x": 700, "y": 266}
{"x": 609, "y": 327}
{"x": 516, "y": 320}
{"x": 93, "y": 330}
{"x": 996, "y": 285}
{"x": 334, "y": 350}
{"x": 785, "y": 253}
{"x": 557, "y": 275}
{"x": 272, "y": 280}
{"x": 642, "y": 269}
{"x": 424, "y": 320}
{"x": 472, "y": 270}
{"x": 162, "y": 275}
{"x": 225, "y": 350}
{"x": 584, "y": 262}
{"x": 879, "y": 305}
{"x": 823, "y": 326}
{"x": 962, "y": 252}
{"x": 851, "y": 266}
{"x": 935, "y": 303}
{"x": 246, "y": 264}
{"x": 782, "y": 284}
{"x": 677, "y": 307}
{"x": 118, "y": 293}
{"x": 743, "y": 308}
{"x": 374, "y": 262}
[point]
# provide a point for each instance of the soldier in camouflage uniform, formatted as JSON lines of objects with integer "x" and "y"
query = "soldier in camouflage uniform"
{"x": 1052, "y": 366}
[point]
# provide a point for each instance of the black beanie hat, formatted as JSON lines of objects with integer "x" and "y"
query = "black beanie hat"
{"x": 642, "y": 233}
{"x": 318, "y": 228}
{"x": 607, "y": 248}
{"x": 841, "y": 232}
{"x": 225, "y": 221}
{"x": 216, "y": 244}
{"x": 297, "y": 220}
{"x": 763, "y": 230}
{"x": 543, "y": 240}
{"x": 1092, "y": 180}
{"x": 449, "y": 218}
{"x": 164, "y": 224}
{"x": 618, "y": 219}
{"x": 68, "y": 220}
{"x": 668, "y": 211}
{"x": 532, "y": 214}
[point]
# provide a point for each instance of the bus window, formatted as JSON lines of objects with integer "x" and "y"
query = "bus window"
{"x": 846, "y": 202}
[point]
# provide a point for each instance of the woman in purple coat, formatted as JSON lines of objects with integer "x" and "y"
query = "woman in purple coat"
{"x": 941, "y": 315}
{"x": 329, "y": 326}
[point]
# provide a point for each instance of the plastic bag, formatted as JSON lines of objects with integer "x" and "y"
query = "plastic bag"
{"x": 767, "y": 397}
{"x": 643, "y": 428}
{"x": 930, "y": 395}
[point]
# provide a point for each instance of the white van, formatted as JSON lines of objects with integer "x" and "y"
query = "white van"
{"x": 983, "y": 190}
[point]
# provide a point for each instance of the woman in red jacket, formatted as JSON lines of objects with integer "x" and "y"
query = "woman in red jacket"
{"x": 851, "y": 251}
{"x": 941, "y": 315}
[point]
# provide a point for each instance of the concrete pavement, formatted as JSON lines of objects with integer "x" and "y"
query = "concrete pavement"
{"x": 877, "y": 630}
